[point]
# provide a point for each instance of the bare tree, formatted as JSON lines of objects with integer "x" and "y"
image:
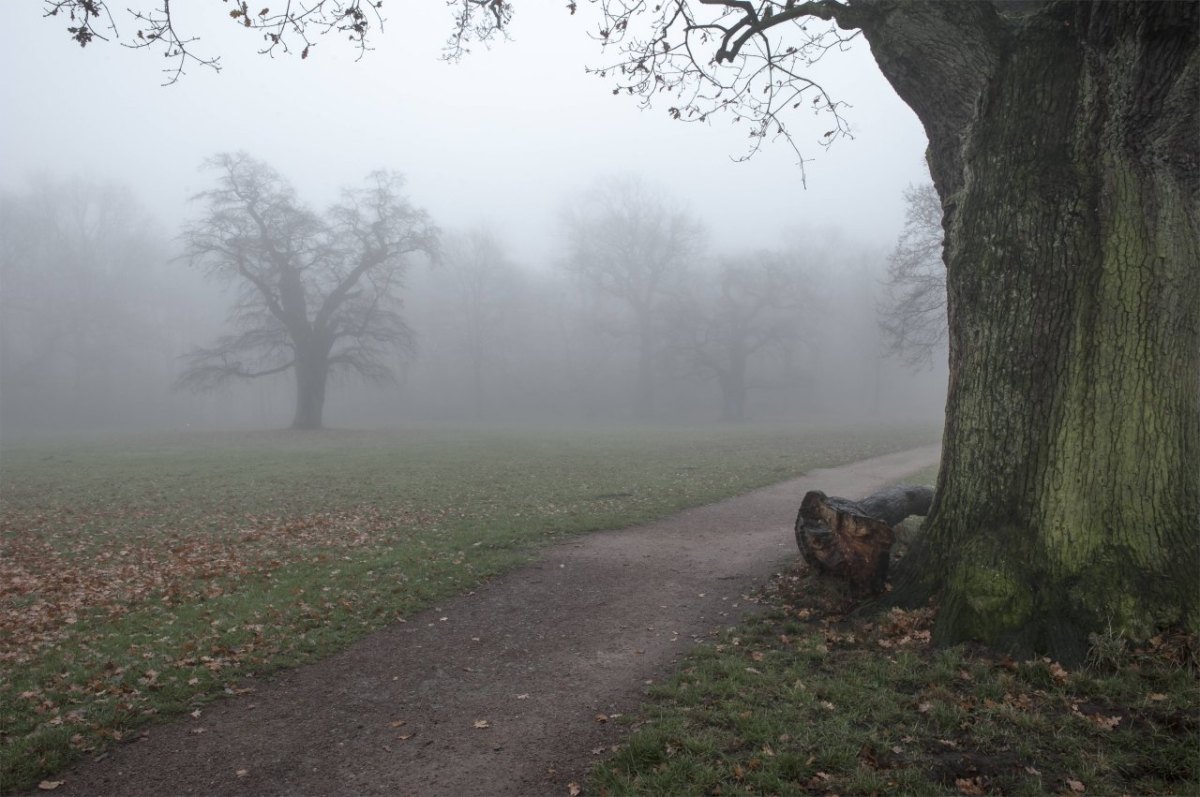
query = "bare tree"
{"x": 912, "y": 313}
{"x": 78, "y": 267}
{"x": 483, "y": 282}
{"x": 626, "y": 241}
{"x": 718, "y": 329}
{"x": 317, "y": 294}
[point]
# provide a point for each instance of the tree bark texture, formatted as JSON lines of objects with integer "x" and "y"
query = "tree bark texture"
{"x": 1065, "y": 146}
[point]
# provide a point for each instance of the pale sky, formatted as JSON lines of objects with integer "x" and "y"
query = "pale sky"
{"x": 502, "y": 137}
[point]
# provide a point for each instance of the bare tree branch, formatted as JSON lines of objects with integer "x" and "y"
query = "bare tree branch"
{"x": 698, "y": 57}
{"x": 912, "y": 313}
{"x": 319, "y": 294}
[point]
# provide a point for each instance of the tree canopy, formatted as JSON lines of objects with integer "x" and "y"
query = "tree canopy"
{"x": 317, "y": 294}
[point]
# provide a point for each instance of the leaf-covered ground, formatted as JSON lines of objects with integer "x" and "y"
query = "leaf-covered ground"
{"x": 138, "y": 577}
{"x": 811, "y": 698}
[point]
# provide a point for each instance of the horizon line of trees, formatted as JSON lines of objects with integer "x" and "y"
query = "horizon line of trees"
{"x": 99, "y": 325}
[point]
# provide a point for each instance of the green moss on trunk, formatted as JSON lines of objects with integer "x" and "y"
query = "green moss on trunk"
{"x": 1069, "y": 495}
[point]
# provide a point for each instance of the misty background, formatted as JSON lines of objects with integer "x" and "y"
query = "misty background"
{"x": 505, "y": 150}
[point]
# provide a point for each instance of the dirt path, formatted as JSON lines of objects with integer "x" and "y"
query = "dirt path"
{"x": 536, "y": 654}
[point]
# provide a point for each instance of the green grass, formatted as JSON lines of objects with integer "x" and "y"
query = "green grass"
{"x": 140, "y": 578}
{"x": 808, "y": 698}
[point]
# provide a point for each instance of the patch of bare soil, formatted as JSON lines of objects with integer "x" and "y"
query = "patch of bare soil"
{"x": 514, "y": 689}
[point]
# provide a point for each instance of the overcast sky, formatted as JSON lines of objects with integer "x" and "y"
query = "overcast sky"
{"x": 502, "y": 137}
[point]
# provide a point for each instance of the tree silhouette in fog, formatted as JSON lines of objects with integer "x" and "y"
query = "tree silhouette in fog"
{"x": 317, "y": 294}
{"x": 628, "y": 242}
{"x": 912, "y": 314}
{"x": 723, "y": 323}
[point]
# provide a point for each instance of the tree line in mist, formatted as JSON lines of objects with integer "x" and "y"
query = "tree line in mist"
{"x": 264, "y": 307}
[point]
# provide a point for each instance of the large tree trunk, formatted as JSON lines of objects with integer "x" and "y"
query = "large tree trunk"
{"x": 1064, "y": 145}
{"x": 312, "y": 374}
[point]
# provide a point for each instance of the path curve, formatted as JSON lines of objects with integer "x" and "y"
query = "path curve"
{"x": 537, "y": 654}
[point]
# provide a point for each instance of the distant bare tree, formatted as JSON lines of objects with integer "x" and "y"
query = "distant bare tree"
{"x": 627, "y": 241}
{"x": 912, "y": 313}
{"x": 482, "y": 281}
{"x": 753, "y": 303}
{"x": 78, "y": 267}
{"x": 317, "y": 293}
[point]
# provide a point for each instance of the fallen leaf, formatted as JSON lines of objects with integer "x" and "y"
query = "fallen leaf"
{"x": 574, "y": 790}
{"x": 1076, "y": 786}
{"x": 404, "y": 737}
{"x": 397, "y": 723}
{"x": 524, "y": 696}
{"x": 196, "y": 714}
{"x": 241, "y": 773}
{"x": 601, "y": 718}
{"x": 482, "y": 724}
{"x": 50, "y": 785}
{"x": 924, "y": 708}
{"x": 1157, "y": 696}
{"x": 972, "y": 786}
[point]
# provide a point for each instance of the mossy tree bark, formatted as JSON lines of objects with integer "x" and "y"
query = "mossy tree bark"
{"x": 1064, "y": 146}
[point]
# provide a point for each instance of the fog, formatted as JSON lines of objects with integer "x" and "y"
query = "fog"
{"x": 99, "y": 304}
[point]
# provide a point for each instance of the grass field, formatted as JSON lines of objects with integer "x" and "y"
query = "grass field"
{"x": 141, "y": 577}
{"x": 815, "y": 697}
